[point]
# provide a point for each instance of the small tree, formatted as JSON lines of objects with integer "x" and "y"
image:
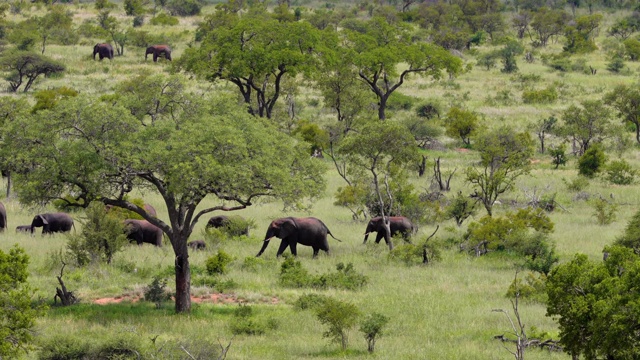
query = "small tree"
{"x": 461, "y": 208}
{"x": 461, "y": 123}
{"x": 371, "y": 328}
{"x": 508, "y": 54}
{"x": 18, "y": 312}
{"x": 592, "y": 161}
{"x": 27, "y": 66}
{"x": 340, "y": 317}
{"x": 542, "y": 128}
{"x": 620, "y": 172}
{"x": 558, "y": 155}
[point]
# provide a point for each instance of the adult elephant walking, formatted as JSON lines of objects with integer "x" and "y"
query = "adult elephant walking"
{"x": 52, "y": 222}
{"x": 3, "y": 217}
{"x": 397, "y": 224}
{"x": 103, "y": 50}
{"x": 142, "y": 231}
{"x": 307, "y": 231}
{"x": 158, "y": 50}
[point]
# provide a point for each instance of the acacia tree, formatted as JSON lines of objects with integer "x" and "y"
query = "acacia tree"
{"x": 376, "y": 148}
{"x": 504, "y": 156}
{"x": 382, "y": 47}
{"x": 57, "y": 23}
{"x": 27, "y": 66}
{"x": 585, "y": 125}
{"x": 256, "y": 54}
{"x": 97, "y": 150}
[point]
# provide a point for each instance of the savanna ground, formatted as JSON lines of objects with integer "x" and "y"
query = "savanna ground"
{"x": 439, "y": 311}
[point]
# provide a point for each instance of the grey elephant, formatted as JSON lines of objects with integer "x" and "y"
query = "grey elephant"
{"x": 223, "y": 221}
{"x": 103, "y": 50}
{"x": 158, "y": 50}
{"x": 397, "y": 224}
{"x": 197, "y": 245}
{"x": 307, "y": 231}
{"x": 3, "y": 217}
{"x": 142, "y": 231}
{"x": 52, "y": 222}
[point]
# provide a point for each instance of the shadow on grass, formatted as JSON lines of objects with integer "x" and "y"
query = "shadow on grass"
{"x": 133, "y": 312}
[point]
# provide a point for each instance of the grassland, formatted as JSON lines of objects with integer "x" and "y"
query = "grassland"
{"x": 440, "y": 311}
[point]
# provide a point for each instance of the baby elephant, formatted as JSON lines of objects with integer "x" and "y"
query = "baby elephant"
{"x": 197, "y": 245}
{"x": 23, "y": 228}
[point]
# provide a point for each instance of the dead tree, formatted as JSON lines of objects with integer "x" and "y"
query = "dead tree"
{"x": 517, "y": 327}
{"x": 443, "y": 185}
{"x": 66, "y": 297}
{"x": 425, "y": 255}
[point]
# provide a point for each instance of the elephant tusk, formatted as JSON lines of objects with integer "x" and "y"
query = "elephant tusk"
{"x": 366, "y": 234}
{"x": 267, "y": 239}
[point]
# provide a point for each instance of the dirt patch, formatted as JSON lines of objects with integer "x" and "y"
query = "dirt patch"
{"x": 463, "y": 150}
{"x": 209, "y": 298}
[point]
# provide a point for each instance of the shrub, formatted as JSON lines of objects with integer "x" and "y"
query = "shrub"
{"x": 245, "y": 323}
{"x": 340, "y": 317}
{"x": 616, "y": 64}
{"x": 461, "y": 208}
{"x": 631, "y": 236}
{"x": 345, "y": 277}
{"x": 156, "y": 292}
{"x": 164, "y": 19}
{"x": 184, "y": 7}
{"x": 253, "y": 264}
{"x": 429, "y": 109}
{"x": 592, "y": 161}
{"x": 562, "y": 64}
{"x": 532, "y": 287}
{"x": 604, "y": 211}
{"x": 217, "y": 264}
{"x": 619, "y": 172}
{"x": 100, "y": 239}
{"x": 632, "y": 49}
{"x": 292, "y": 274}
{"x": 371, "y": 328}
{"x": 310, "y": 301}
{"x": 576, "y": 185}
{"x": 399, "y": 101}
{"x": 558, "y": 155}
{"x": 138, "y": 20}
{"x": 545, "y": 96}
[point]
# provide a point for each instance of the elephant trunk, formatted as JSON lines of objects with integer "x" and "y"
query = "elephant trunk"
{"x": 265, "y": 243}
{"x": 367, "y": 232}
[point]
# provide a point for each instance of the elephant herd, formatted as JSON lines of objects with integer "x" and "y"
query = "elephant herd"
{"x": 105, "y": 50}
{"x": 308, "y": 231}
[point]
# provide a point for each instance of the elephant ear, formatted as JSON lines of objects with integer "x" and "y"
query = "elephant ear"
{"x": 44, "y": 221}
{"x": 287, "y": 228}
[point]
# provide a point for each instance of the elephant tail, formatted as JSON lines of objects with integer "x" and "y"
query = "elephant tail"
{"x": 329, "y": 232}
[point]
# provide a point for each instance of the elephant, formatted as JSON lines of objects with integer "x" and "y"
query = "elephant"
{"x": 158, "y": 50}
{"x": 397, "y": 224}
{"x": 150, "y": 210}
{"x": 197, "y": 245}
{"x": 103, "y": 50}
{"x": 307, "y": 231}
{"x": 3, "y": 217}
{"x": 223, "y": 221}
{"x": 52, "y": 222}
{"x": 142, "y": 231}
{"x": 23, "y": 228}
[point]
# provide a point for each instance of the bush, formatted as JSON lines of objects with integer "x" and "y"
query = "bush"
{"x": 244, "y": 322}
{"x": 156, "y": 292}
{"x": 576, "y": 185}
{"x": 558, "y": 155}
{"x": 99, "y": 240}
{"x": 371, "y": 328}
{"x": 619, "y": 172}
{"x": 532, "y": 287}
{"x": 429, "y": 110}
{"x": 616, "y": 64}
{"x": 604, "y": 211}
{"x": 632, "y": 49}
{"x": 631, "y": 236}
{"x": 138, "y": 21}
{"x": 345, "y": 277}
{"x": 592, "y": 161}
{"x": 562, "y": 64}
{"x": 399, "y": 101}
{"x": 340, "y": 317}
{"x": 310, "y": 301}
{"x": 184, "y": 7}
{"x": 293, "y": 275}
{"x": 164, "y": 19}
{"x": 217, "y": 264}
{"x": 545, "y": 96}
{"x": 253, "y": 264}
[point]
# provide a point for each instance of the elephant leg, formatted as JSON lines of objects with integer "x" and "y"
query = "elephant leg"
{"x": 294, "y": 249}
{"x": 282, "y": 248}
{"x": 315, "y": 252}
{"x": 379, "y": 236}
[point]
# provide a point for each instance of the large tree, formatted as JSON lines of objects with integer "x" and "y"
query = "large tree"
{"x": 385, "y": 56}
{"x": 97, "y": 150}
{"x": 255, "y": 53}
{"x": 625, "y": 99}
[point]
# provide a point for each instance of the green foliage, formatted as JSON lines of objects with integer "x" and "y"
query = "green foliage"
{"x": 354, "y": 198}
{"x": 595, "y": 303}
{"x": 104, "y": 4}
{"x": 371, "y": 327}
{"x": 244, "y": 322}
{"x": 48, "y": 98}
{"x": 632, "y": 49}
{"x": 156, "y": 292}
{"x": 310, "y": 301}
{"x": 398, "y": 101}
{"x": 544, "y": 96}
{"x": 122, "y": 345}
{"x": 24, "y": 65}
{"x": 217, "y": 264}
{"x": 604, "y": 211}
{"x": 461, "y": 123}
{"x": 164, "y": 19}
{"x": 592, "y": 161}
{"x": 586, "y": 124}
{"x": 558, "y": 155}
{"x": 620, "y": 172}
{"x": 293, "y": 275}
{"x": 488, "y": 60}
{"x": 99, "y": 240}
{"x": 24, "y": 35}
{"x": 532, "y": 287}
{"x": 17, "y": 310}
{"x": 429, "y": 109}
{"x": 631, "y": 236}
{"x": 133, "y": 7}
{"x": 508, "y": 55}
{"x": 184, "y": 7}
{"x": 578, "y": 184}
{"x": 616, "y": 64}
{"x": 340, "y": 317}
{"x": 317, "y": 138}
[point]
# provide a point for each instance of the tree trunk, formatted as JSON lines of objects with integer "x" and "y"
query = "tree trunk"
{"x": 183, "y": 277}
{"x": 382, "y": 107}
{"x": 8, "y": 184}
